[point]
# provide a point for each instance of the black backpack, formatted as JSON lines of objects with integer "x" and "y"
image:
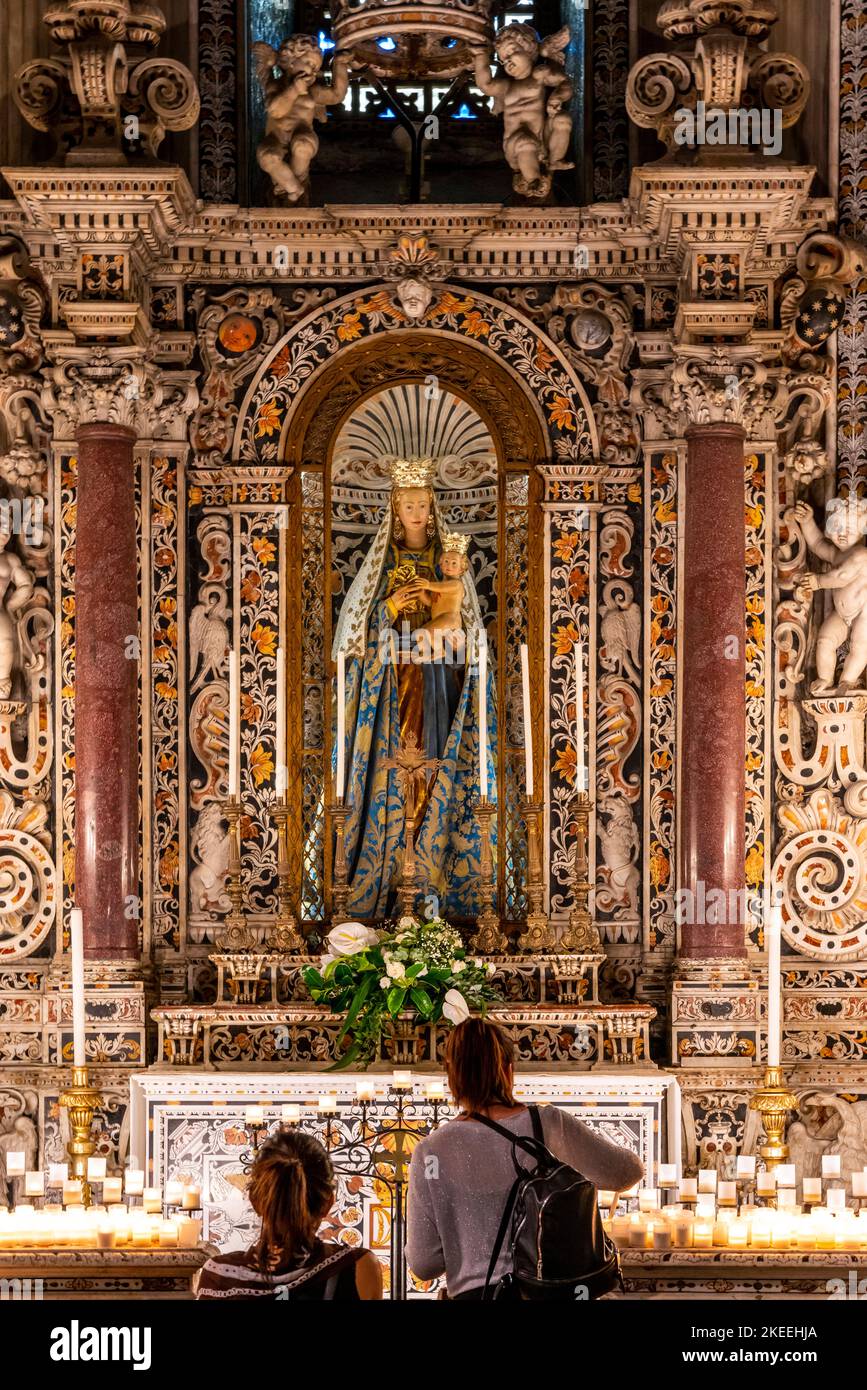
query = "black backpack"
{"x": 559, "y": 1247}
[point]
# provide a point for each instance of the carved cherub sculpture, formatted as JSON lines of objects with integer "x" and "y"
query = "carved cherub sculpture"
{"x": 842, "y": 547}
{"x": 532, "y": 96}
{"x": 294, "y": 99}
{"x": 17, "y": 578}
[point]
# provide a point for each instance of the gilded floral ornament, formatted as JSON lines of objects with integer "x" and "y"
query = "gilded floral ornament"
{"x": 103, "y": 105}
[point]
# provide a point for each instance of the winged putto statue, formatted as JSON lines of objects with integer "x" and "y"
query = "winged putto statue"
{"x": 295, "y": 97}
{"x": 534, "y": 97}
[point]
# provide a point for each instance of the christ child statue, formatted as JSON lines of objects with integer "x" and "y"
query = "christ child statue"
{"x": 446, "y": 596}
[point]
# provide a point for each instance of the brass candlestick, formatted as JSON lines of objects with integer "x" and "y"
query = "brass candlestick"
{"x": 339, "y": 881}
{"x": 774, "y": 1101}
{"x": 581, "y": 933}
{"x": 284, "y": 934}
{"x": 236, "y": 934}
{"x": 538, "y": 935}
{"x": 488, "y": 940}
{"x": 413, "y": 771}
{"x": 81, "y": 1100}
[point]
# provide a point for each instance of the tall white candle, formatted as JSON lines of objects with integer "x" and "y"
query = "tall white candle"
{"x": 775, "y": 984}
{"x": 341, "y": 723}
{"x": 580, "y": 772}
{"x": 483, "y": 714}
{"x": 528, "y": 723}
{"x": 281, "y": 721}
{"x": 76, "y": 944}
{"x": 234, "y": 722}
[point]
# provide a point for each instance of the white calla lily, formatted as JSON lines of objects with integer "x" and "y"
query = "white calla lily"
{"x": 350, "y": 938}
{"x": 455, "y": 1007}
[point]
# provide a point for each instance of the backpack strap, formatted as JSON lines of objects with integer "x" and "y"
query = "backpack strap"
{"x": 535, "y": 1147}
{"x": 501, "y": 1233}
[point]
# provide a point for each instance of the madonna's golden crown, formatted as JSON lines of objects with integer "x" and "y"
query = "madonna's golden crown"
{"x": 418, "y": 472}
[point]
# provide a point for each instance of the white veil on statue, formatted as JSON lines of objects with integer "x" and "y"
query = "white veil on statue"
{"x": 351, "y": 630}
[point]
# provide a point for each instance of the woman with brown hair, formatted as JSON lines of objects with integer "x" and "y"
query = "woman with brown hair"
{"x": 461, "y": 1176}
{"x": 292, "y": 1191}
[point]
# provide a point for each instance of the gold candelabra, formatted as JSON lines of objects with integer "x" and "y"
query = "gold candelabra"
{"x": 284, "y": 934}
{"x": 489, "y": 940}
{"x": 339, "y": 879}
{"x": 81, "y": 1101}
{"x": 581, "y": 933}
{"x": 236, "y": 933}
{"x": 538, "y": 935}
{"x": 774, "y": 1102}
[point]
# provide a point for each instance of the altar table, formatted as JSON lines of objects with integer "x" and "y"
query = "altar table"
{"x": 192, "y": 1122}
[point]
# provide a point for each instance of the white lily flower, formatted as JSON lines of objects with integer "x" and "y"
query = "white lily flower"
{"x": 458, "y": 966}
{"x": 455, "y": 1007}
{"x": 385, "y": 983}
{"x": 350, "y": 938}
{"x": 394, "y": 969}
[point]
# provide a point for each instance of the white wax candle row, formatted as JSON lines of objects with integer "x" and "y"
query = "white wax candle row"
{"x": 254, "y": 1115}
{"x": 677, "y": 1227}
{"x": 184, "y": 1194}
{"x": 105, "y": 1227}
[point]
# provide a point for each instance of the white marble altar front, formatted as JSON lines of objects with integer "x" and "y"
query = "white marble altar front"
{"x": 186, "y": 1122}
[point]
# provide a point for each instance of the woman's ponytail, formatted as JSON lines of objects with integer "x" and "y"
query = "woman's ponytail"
{"x": 291, "y": 1187}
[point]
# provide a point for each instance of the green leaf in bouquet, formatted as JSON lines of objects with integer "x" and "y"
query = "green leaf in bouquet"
{"x": 312, "y": 978}
{"x": 415, "y": 970}
{"x": 358, "y": 1000}
{"x": 343, "y": 973}
{"x": 422, "y": 1001}
{"x": 395, "y": 999}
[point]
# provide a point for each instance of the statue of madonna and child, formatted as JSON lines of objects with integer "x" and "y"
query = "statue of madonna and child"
{"x": 410, "y": 628}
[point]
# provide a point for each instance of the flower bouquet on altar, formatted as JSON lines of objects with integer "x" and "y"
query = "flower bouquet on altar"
{"x": 378, "y": 977}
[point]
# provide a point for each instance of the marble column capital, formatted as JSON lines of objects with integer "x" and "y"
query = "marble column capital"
{"x": 712, "y": 387}
{"x": 117, "y": 386}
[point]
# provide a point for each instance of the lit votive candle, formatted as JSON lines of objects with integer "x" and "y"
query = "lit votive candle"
{"x": 189, "y": 1230}
{"x": 106, "y": 1237}
{"x": 192, "y": 1197}
{"x": 620, "y": 1228}
{"x": 58, "y": 1174}
{"x": 746, "y": 1167}
{"x": 112, "y": 1190}
{"x": 34, "y": 1184}
{"x": 702, "y": 1235}
{"x": 168, "y": 1233}
{"x": 707, "y": 1179}
{"x": 727, "y": 1194}
{"x": 365, "y": 1090}
{"x": 787, "y": 1197}
{"x": 327, "y": 1105}
{"x": 760, "y": 1231}
{"x": 662, "y": 1235}
{"x": 782, "y": 1232}
{"x": 667, "y": 1175}
{"x": 401, "y": 1081}
{"x": 830, "y": 1165}
{"x": 95, "y": 1169}
{"x": 16, "y": 1164}
{"x": 254, "y": 1115}
{"x": 638, "y": 1233}
{"x": 705, "y": 1208}
{"x": 133, "y": 1182}
{"x": 739, "y": 1232}
{"x": 435, "y": 1090}
{"x": 785, "y": 1175}
{"x": 683, "y": 1231}
{"x": 721, "y": 1233}
{"x": 859, "y": 1184}
{"x": 290, "y": 1114}
{"x": 648, "y": 1199}
{"x": 812, "y": 1190}
{"x": 72, "y": 1193}
{"x": 152, "y": 1200}
{"x": 766, "y": 1182}
{"x": 835, "y": 1199}
{"x": 805, "y": 1235}
{"x": 825, "y": 1233}
{"x": 688, "y": 1190}
{"x": 174, "y": 1193}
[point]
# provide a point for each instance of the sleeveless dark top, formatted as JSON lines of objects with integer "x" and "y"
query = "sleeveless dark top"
{"x": 327, "y": 1273}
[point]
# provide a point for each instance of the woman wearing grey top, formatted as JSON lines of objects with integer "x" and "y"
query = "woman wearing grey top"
{"x": 461, "y": 1175}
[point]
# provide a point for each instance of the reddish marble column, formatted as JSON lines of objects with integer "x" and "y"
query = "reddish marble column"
{"x": 106, "y": 740}
{"x": 713, "y": 721}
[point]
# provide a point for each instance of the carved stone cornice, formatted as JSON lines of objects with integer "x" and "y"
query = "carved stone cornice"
{"x": 118, "y": 386}
{"x": 720, "y": 65}
{"x": 104, "y": 107}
